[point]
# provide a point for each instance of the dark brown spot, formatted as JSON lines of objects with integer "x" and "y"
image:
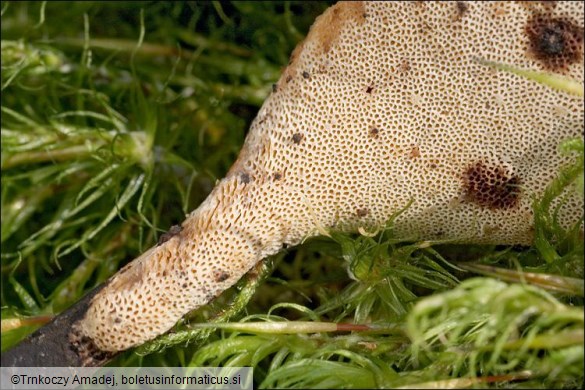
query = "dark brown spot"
{"x": 306, "y": 75}
{"x": 362, "y": 212}
{"x": 245, "y": 178}
{"x": 374, "y": 132}
{"x": 274, "y": 88}
{"x": 117, "y": 320}
{"x": 492, "y": 187}
{"x": 297, "y": 138}
{"x": 369, "y": 89}
{"x": 184, "y": 285}
{"x": 221, "y": 276}
{"x": 462, "y": 8}
{"x": 556, "y": 43}
{"x": 433, "y": 166}
{"x": 277, "y": 176}
{"x": 288, "y": 79}
{"x": 173, "y": 231}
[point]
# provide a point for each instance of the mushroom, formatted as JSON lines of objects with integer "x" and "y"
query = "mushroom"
{"x": 381, "y": 105}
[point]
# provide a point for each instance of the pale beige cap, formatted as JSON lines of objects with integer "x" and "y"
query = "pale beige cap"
{"x": 382, "y": 104}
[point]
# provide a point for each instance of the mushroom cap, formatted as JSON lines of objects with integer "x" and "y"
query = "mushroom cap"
{"x": 382, "y": 104}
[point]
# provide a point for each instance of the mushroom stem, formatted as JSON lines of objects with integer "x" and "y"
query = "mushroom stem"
{"x": 215, "y": 246}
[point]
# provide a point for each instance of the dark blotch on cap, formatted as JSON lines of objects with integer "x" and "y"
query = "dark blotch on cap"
{"x": 221, "y": 276}
{"x": 491, "y": 187}
{"x": 297, "y": 138}
{"x": 556, "y": 43}
{"x": 462, "y": 8}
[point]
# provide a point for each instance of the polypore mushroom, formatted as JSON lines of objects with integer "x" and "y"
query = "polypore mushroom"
{"x": 382, "y": 104}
